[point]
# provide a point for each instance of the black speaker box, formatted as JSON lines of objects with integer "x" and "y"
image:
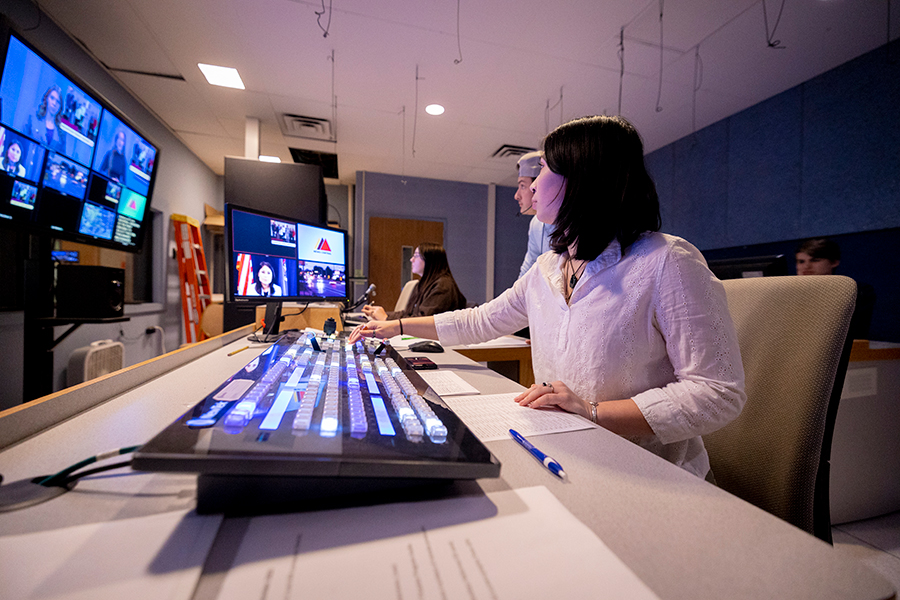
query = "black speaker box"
{"x": 89, "y": 292}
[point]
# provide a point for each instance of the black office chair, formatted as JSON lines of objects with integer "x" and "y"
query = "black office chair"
{"x": 792, "y": 332}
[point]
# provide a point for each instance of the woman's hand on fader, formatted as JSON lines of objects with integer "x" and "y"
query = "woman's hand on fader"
{"x": 374, "y": 329}
{"x": 376, "y": 313}
{"x": 553, "y": 394}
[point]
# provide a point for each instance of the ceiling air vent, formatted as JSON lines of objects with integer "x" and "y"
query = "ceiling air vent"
{"x": 312, "y": 128}
{"x": 326, "y": 160}
{"x": 511, "y": 150}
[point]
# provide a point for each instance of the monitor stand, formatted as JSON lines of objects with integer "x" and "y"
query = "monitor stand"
{"x": 271, "y": 321}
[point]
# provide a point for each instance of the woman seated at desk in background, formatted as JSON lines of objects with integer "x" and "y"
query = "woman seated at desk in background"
{"x": 436, "y": 291}
{"x": 629, "y": 328}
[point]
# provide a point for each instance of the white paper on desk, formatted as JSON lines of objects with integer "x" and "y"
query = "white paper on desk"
{"x": 447, "y": 383}
{"x": 529, "y": 547}
{"x": 503, "y": 341}
{"x": 159, "y": 556}
{"x": 491, "y": 416}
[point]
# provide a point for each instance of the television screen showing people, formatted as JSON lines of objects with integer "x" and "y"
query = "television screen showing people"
{"x": 68, "y": 164}
{"x": 283, "y": 258}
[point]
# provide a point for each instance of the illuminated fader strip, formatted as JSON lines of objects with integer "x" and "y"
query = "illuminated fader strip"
{"x": 358, "y": 422}
{"x": 244, "y": 410}
{"x": 436, "y": 429}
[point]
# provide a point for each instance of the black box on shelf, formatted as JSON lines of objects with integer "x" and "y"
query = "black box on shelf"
{"x": 89, "y": 292}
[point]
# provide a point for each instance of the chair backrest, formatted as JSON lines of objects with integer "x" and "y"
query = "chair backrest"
{"x": 792, "y": 332}
{"x": 405, "y": 294}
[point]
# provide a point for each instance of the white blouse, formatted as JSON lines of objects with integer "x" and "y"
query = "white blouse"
{"x": 653, "y": 326}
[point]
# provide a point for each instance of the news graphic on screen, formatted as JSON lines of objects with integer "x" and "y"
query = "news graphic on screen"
{"x": 23, "y": 195}
{"x": 122, "y": 155}
{"x": 70, "y": 165}
{"x": 274, "y": 256}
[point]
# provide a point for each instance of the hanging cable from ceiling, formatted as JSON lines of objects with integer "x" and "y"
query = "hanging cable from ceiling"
{"x": 548, "y": 108}
{"x": 770, "y": 37}
{"x": 659, "y": 90}
{"x": 698, "y": 81}
{"x": 415, "y": 112}
{"x": 458, "y": 41}
{"x": 333, "y": 101}
{"x": 403, "y": 144}
{"x": 621, "y": 66}
{"x": 319, "y": 16}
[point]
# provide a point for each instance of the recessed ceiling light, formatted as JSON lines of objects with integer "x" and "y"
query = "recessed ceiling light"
{"x": 273, "y": 159}
{"x": 224, "y": 76}
{"x": 434, "y": 109}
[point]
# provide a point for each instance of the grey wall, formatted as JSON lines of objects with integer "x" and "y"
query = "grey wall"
{"x": 462, "y": 207}
{"x": 183, "y": 185}
{"x": 510, "y": 239}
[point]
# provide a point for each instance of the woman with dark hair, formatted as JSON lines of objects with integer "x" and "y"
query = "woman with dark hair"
{"x": 264, "y": 284}
{"x": 629, "y": 328}
{"x": 45, "y": 129}
{"x": 436, "y": 291}
{"x": 11, "y": 161}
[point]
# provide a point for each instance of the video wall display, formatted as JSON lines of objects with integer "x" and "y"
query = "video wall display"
{"x": 69, "y": 165}
{"x": 278, "y": 257}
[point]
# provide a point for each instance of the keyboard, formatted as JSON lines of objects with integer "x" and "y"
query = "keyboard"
{"x": 315, "y": 405}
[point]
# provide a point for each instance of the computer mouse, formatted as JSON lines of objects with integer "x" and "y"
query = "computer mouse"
{"x": 426, "y": 346}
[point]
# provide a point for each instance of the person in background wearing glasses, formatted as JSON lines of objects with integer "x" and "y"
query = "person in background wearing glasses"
{"x": 436, "y": 291}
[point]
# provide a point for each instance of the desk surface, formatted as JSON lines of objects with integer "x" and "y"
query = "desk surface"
{"x": 682, "y": 536}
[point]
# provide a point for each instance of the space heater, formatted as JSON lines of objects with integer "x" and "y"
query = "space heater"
{"x": 89, "y": 362}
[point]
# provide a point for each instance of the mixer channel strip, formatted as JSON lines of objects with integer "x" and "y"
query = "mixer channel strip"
{"x": 310, "y": 384}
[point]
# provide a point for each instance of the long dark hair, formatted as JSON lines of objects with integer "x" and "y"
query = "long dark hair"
{"x": 609, "y": 194}
{"x": 436, "y": 266}
{"x": 259, "y": 289}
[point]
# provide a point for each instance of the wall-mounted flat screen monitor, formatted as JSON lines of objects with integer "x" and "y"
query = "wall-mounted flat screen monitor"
{"x": 70, "y": 165}
{"x": 278, "y": 258}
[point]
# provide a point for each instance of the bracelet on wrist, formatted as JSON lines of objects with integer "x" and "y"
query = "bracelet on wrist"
{"x": 594, "y": 411}
{"x": 401, "y": 325}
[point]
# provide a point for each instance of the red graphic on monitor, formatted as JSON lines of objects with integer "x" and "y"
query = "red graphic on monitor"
{"x": 323, "y": 245}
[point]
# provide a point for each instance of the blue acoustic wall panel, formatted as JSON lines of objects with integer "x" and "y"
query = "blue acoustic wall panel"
{"x": 699, "y": 201}
{"x": 461, "y": 206}
{"x": 510, "y": 239}
{"x": 764, "y": 149}
{"x": 851, "y": 168}
{"x": 660, "y": 166}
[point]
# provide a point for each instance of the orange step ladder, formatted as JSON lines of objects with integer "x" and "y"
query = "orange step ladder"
{"x": 192, "y": 275}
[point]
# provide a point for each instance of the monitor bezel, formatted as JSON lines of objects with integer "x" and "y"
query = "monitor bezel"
{"x": 229, "y": 267}
{"x": 34, "y": 226}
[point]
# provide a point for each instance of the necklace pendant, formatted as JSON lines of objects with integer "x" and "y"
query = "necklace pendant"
{"x": 573, "y": 280}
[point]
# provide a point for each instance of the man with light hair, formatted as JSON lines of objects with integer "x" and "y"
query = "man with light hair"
{"x": 529, "y": 166}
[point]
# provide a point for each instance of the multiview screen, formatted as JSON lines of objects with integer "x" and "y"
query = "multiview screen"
{"x": 283, "y": 258}
{"x": 69, "y": 166}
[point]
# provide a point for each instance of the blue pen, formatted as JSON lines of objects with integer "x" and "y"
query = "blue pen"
{"x": 548, "y": 462}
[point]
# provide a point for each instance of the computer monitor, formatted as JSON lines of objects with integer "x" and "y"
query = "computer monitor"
{"x": 751, "y": 266}
{"x": 276, "y": 259}
{"x": 71, "y": 167}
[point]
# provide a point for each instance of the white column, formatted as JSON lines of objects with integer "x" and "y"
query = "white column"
{"x": 251, "y": 138}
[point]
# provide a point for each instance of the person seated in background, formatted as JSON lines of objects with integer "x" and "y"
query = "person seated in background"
{"x": 436, "y": 291}
{"x": 263, "y": 286}
{"x": 629, "y": 327}
{"x": 821, "y": 256}
{"x": 538, "y": 233}
{"x": 817, "y": 257}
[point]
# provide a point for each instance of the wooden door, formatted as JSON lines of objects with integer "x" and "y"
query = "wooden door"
{"x": 387, "y": 238}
